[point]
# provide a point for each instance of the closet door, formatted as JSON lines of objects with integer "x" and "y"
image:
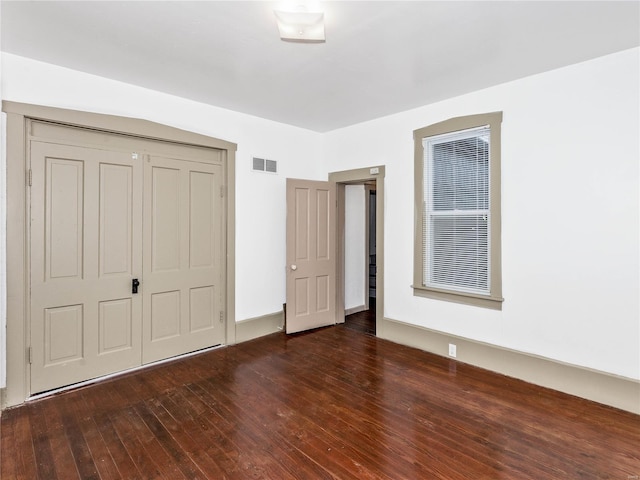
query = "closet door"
{"x": 108, "y": 211}
{"x": 86, "y": 248}
{"x": 183, "y": 255}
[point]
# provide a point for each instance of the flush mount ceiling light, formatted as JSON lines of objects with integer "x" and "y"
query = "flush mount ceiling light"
{"x": 301, "y": 25}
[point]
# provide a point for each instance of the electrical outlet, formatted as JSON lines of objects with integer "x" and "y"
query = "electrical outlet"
{"x": 452, "y": 350}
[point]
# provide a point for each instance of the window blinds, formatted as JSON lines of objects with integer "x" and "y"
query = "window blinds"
{"x": 456, "y": 214}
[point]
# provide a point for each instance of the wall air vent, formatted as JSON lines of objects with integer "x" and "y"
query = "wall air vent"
{"x": 271, "y": 166}
{"x": 264, "y": 165}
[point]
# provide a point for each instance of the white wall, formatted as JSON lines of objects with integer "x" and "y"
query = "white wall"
{"x": 570, "y": 199}
{"x": 354, "y": 249}
{"x": 260, "y": 208}
{"x": 570, "y": 175}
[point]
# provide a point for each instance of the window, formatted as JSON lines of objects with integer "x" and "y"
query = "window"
{"x": 457, "y": 231}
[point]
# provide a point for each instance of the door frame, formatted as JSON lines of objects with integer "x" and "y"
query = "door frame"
{"x": 355, "y": 177}
{"x": 18, "y": 121}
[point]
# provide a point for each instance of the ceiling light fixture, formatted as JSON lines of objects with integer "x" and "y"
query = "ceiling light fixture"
{"x": 301, "y": 25}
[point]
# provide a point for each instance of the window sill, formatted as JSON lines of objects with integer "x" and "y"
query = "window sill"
{"x": 493, "y": 303}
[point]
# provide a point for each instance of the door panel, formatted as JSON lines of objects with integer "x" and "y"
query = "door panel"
{"x": 116, "y": 195}
{"x": 165, "y": 315}
{"x": 86, "y": 235}
{"x": 202, "y": 232}
{"x": 64, "y": 225}
{"x": 115, "y": 325}
{"x": 63, "y": 334}
{"x": 165, "y": 219}
{"x": 201, "y": 308}
{"x": 183, "y": 257}
{"x": 311, "y": 263}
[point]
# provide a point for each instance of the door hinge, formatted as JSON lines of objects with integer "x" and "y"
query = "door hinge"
{"x": 30, "y": 355}
{"x": 29, "y": 177}
{"x": 221, "y": 317}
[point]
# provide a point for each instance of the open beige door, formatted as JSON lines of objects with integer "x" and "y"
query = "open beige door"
{"x": 311, "y": 263}
{"x": 86, "y": 248}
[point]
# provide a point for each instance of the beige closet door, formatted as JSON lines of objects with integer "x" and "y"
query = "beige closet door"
{"x": 183, "y": 257}
{"x": 86, "y": 247}
{"x": 311, "y": 262}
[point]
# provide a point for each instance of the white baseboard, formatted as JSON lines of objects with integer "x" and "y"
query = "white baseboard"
{"x": 259, "y": 326}
{"x": 601, "y": 387}
{"x": 352, "y": 310}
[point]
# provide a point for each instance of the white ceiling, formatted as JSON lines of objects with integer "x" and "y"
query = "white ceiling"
{"x": 379, "y": 58}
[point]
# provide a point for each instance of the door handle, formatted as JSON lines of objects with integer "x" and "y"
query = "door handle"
{"x": 135, "y": 283}
{"x": 294, "y": 267}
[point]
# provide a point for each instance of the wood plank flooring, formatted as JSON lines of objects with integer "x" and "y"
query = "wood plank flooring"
{"x": 364, "y": 321}
{"x": 329, "y": 404}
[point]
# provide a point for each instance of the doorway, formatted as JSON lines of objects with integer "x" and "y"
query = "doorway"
{"x": 370, "y": 182}
{"x": 360, "y": 257}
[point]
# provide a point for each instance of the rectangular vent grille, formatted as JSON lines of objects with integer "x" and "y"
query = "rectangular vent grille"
{"x": 264, "y": 165}
{"x": 258, "y": 164}
{"x": 271, "y": 166}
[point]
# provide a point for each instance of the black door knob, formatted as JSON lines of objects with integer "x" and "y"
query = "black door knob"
{"x": 134, "y": 285}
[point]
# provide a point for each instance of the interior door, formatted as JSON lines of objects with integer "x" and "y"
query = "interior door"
{"x": 183, "y": 256}
{"x": 86, "y": 217}
{"x": 311, "y": 249}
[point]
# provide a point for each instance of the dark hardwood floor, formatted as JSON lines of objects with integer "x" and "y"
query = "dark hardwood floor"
{"x": 332, "y": 403}
{"x": 364, "y": 321}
